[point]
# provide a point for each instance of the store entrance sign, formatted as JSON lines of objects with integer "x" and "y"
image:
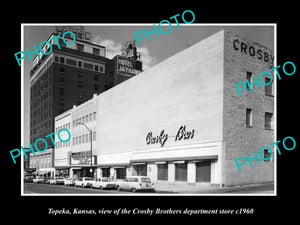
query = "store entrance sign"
{"x": 82, "y": 158}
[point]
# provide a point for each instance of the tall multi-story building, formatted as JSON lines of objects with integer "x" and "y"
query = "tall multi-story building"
{"x": 189, "y": 124}
{"x": 68, "y": 76}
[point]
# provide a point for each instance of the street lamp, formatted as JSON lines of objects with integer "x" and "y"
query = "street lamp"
{"x": 91, "y": 135}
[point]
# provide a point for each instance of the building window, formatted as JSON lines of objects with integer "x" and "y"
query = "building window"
{"x": 79, "y": 73}
{"x": 61, "y": 80}
{"x": 96, "y": 87}
{"x": 80, "y": 47}
{"x": 267, "y": 155}
{"x": 79, "y": 64}
{"x": 268, "y": 120}
{"x": 94, "y": 136}
{"x": 61, "y": 102}
{"x": 88, "y": 66}
{"x": 96, "y": 77}
{"x": 61, "y": 91}
{"x": 94, "y": 115}
{"x": 79, "y": 84}
{"x": 101, "y": 69}
{"x": 268, "y": 88}
{"x": 249, "y": 78}
{"x": 249, "y": 117}
{"x": 79, "y": 94}
{"x": 96, "y": 51}
{"x": 96, "y": 68}
{"x": 62, "y": 60}
{"x": 162, "y": 171}
{"x": 61, "y": 70}
{"x": 71, "y": 62}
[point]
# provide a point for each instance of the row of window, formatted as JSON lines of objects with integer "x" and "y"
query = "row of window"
{"x": 268, "y": 119}
{"x": 80, "y": 63}
{"x": 81, "y": 139}
{"x": 268, "y": 88}
{"x": 85, "y": 119}
{"x": 65, "y": 126}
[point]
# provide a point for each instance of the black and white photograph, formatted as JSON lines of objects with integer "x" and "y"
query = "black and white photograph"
{"x": 107, "y": 113}
{"x": 170, "y": 115}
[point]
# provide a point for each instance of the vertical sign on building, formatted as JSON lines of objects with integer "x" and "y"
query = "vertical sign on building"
{"x": 126, "y": 68}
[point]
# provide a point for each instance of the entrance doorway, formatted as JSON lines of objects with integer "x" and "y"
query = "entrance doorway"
{"x": 162, "y": 171}
{"x": 120, "y": 173}
{"x": 139, "y": 170}
{"x": 203, "y": 170}
{"x": 181, "y": 171}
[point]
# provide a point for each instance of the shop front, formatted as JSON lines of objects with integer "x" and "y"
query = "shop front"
{"x": 81, "y": 165}
{"x": 115, "y": 172}
{"x": 191, "y": 164}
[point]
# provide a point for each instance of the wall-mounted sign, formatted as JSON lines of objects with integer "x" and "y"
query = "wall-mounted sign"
{"x": 127, "y": 66}
{"x": 182, "y": 134}
{"x": 252, "y": 51}
{"x": 82, "y": 158}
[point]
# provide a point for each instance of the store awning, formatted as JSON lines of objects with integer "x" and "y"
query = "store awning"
{"x": 76, "y": 168}
{"x": 140, "y": 163}
{"x": 178, "y": 162}
{"x": 43, "y": 172}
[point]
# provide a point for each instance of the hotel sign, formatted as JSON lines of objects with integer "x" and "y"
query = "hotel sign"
{"x": 126, "y": 66}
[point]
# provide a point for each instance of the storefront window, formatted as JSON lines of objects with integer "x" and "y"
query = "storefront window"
{"x": 180, "y": 172}
{"x": 162, "y": 171}
{"x": 121, "y": 173}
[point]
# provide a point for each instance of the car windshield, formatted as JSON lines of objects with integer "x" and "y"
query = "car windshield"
{"x": 89, "y": 178}
{"x": 106, "y": 179}
{"x": 145, "y": 180}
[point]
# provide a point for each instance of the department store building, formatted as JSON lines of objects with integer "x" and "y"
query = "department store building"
{"x": 180, "y": 121}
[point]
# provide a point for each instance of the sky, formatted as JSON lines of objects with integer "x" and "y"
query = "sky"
{"x": 153, "y": 51}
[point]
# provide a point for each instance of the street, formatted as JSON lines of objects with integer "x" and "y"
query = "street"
{"x": 33, "y": 188}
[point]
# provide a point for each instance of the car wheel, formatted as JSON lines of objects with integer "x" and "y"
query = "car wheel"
{"x": 133, "y": 189}
{"x": 101, "y": 188}
{"x": 119, "y": 188}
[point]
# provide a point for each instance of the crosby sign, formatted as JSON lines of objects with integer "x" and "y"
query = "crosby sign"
{"x": 241, "y": 46}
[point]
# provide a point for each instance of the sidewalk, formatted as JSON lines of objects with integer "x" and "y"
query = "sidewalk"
{"x": 266, "y": 188}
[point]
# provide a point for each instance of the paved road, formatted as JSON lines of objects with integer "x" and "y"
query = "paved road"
{"x": 247, "y": 189}
{"x": 33, "y": 188}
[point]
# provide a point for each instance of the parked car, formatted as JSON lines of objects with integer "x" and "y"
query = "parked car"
{"x": 28, "y": 179}
{"x": 84, "y": 182}
{"x": 38, "y": 180}
{"x": 69, "y": 181}
{"x": 57, "y": 180}
{"x": 46, "y": 180}
{"x": 104, "y": 183}
{"x": 135, "y": 183}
